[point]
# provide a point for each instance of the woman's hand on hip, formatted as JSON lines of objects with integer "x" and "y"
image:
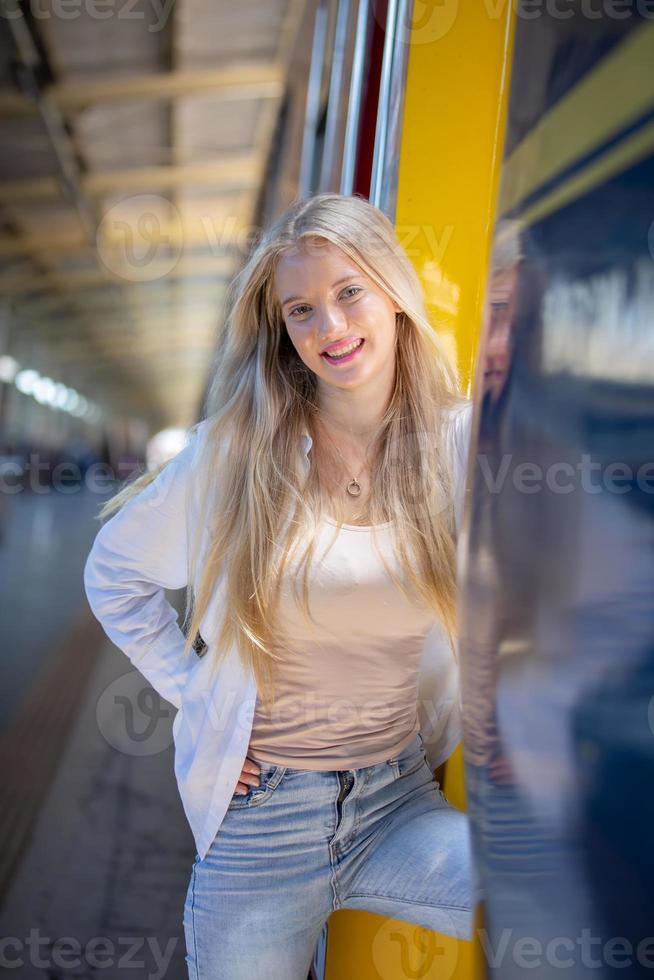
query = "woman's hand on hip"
{"x": 249, "y": 777}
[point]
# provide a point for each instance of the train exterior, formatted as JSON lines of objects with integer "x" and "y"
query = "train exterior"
{"x": 512, "y": 146}
{"x": 558, "y": 626}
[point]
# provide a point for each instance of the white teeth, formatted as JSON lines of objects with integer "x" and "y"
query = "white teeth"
{"x": 346, "y": 350}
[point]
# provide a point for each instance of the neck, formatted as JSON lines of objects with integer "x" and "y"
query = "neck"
{"x": 356, "y": 412}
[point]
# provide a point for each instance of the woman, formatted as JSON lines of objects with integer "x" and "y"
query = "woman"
{"x": 314, "y": 518}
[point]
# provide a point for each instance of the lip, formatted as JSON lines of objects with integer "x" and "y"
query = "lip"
{"x": 338, "y": 344}
{"x": 348, "y": 357}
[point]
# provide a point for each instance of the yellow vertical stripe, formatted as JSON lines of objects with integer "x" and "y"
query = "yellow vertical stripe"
{"x": 454, "y": 119}
{"x": 455, "y": 106}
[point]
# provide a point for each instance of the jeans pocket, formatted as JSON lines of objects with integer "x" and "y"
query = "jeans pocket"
{"x": 269, "y": 779}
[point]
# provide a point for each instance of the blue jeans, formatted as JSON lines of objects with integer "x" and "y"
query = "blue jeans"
{"x": 305, "y": 843}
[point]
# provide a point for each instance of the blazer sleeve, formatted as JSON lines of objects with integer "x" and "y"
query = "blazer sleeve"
{"x": 136, "y": 555}
{"x": 459, "y": 437}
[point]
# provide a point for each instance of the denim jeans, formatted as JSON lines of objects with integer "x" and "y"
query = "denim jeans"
{"x": 305, "y": 843}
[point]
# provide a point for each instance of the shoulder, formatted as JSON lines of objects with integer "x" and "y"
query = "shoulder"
{"x": 171, "y": 482}
{"x": 197, "y": 439}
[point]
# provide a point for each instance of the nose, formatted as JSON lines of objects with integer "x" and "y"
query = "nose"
{"x": 332, "y": 325}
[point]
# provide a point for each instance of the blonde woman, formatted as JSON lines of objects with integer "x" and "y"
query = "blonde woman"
{"x": 313, "y": 516}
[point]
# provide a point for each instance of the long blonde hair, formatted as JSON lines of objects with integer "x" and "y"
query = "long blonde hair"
{"x": 263, "y": 398}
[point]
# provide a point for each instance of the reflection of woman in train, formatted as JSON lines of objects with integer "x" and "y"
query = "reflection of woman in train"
{"x": 334, "y": 520}
{"x": 500, "y": 313}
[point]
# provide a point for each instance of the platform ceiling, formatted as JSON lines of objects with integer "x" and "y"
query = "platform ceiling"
{"x": 127, "y": 184}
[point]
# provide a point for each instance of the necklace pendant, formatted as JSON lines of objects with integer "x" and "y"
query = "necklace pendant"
{"x": 353, "y": 488}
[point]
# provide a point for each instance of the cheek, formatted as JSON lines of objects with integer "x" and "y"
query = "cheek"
{"x": 299, "y": 337}
{"x": 383, "y": 330}
{"x": 294, "y": 334}
{"x": 376, "y": 315}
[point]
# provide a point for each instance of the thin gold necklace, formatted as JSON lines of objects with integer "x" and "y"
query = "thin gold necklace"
{"x": 353, "y": 487}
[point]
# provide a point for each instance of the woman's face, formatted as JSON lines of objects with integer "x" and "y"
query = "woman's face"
{"x": 329, "y": 306}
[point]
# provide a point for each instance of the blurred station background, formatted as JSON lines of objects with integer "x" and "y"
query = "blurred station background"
{"x": 145, "y": 143}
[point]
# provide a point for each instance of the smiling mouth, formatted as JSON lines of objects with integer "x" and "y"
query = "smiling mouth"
{"x": 345, "y": 353}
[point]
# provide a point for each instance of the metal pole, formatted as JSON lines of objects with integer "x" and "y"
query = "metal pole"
{"x": 354, "y": 101}
{"x": 334, "y": 102}
{"x": 313, "y": 98}
{"x": 385, "y": 166}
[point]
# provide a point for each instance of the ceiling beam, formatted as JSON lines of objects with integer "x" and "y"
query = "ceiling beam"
{"x": 17, "y": 284}
{"x": 241, "y": 81}
{"x": 241, "y": 173}
{"x": 93, "y": 301}
{"x": 211, "y": 231}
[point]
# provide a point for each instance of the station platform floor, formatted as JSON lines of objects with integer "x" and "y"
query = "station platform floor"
{"x": 95, "y": 844}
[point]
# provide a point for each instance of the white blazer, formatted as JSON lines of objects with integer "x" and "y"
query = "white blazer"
{"x": 142, "y": 550}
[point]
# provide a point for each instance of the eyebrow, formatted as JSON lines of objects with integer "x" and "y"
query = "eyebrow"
{"x": 293, "y": 299}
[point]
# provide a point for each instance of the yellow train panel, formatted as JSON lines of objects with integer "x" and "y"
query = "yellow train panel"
{"x": 453, "y": 128}
{"x": 454, "y": 114}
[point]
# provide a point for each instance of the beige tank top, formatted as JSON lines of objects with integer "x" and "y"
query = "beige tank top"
{"x": 347, "y": 685}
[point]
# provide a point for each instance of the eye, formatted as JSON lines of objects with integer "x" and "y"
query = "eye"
{"x": 298, "y": 310}
{"x": 348, "y": 294}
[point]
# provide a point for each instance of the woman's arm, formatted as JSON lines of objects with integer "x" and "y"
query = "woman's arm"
{"x": 139, "y": 552}
{"x": 439, "y": 701}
